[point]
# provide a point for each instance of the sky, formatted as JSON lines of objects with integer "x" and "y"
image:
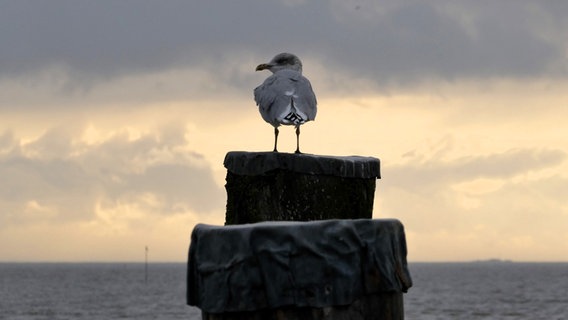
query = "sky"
{"x": 115, "y": 117}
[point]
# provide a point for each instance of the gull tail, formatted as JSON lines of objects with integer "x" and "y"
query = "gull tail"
{"x": 294, "y": 116}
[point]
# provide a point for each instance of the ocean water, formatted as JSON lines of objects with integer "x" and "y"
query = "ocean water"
{"x": 488, "y": 290}
{"x": 94, "y": 291}
{"x": 120, "y": 291}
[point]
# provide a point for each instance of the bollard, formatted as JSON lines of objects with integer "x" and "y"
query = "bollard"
{"x": 317, "y": 255}
{"x": 273, "y": 186}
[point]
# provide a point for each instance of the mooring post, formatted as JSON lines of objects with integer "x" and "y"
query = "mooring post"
{"x": 299, "y": 243}
{"x": 273, "y": 186}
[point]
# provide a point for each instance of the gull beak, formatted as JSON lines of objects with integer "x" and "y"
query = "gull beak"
{"x": 263, "y": 66}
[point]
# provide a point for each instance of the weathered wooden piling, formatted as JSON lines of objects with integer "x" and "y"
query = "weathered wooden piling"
{"x": 273, "y": 186}
{"x": 317, "y": 255}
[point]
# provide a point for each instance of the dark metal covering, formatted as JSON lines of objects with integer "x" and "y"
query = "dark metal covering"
{"x": 301, "y": 264}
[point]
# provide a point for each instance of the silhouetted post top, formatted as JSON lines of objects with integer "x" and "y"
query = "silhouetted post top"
{"x": 259, "y": 163}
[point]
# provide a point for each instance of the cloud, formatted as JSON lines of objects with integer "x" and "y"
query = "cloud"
{"x": 412, "y": 41}
{"x": 419, "y": 174}
{"x": 66, "y": 178}
{"x": 389, "y": 42}
{"x": 494, "y": 192}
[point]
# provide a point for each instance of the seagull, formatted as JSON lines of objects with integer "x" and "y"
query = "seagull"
{"x": 286, "y": 97}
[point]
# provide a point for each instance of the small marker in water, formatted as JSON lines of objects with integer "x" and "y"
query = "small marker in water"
{"x": 146, "y": 266}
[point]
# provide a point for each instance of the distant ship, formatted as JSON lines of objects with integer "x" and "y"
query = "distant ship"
{"x": 493, "y": 261}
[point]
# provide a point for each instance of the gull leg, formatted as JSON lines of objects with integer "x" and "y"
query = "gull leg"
{"x": 297, "y": 139}
{"x": 275, "y": 138}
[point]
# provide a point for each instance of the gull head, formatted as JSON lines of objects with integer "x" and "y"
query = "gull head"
{"x": 282, "y": 61}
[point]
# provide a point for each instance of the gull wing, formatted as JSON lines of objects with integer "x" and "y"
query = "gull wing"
{"x": 275, "y": 95}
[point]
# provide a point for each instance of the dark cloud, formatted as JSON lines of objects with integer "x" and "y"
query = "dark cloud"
{"x": 107, "y": 38}
{"x": 389, "y": 42}
{"x": 71, "y": 177}
{"x": 424, "y": 41}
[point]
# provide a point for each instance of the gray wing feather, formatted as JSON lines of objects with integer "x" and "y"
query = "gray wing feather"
{"x": 271, "y": 96}
{"x": 307, "y": 98}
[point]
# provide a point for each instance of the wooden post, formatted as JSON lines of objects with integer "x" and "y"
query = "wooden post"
{"x": 273, "y": 186}
{"x": 343, "y": 266}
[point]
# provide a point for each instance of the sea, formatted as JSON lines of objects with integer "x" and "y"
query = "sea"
{"x": 473, "y": 290}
